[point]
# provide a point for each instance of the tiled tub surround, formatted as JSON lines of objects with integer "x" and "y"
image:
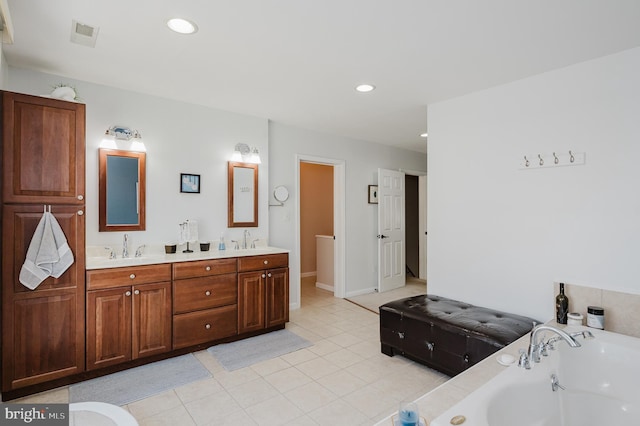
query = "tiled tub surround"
{"x": 620, "y": 309}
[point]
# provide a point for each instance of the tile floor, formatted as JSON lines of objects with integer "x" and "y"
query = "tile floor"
{"x": 342, "y": 379}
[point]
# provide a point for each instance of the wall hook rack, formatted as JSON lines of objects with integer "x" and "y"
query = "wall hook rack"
{"x": 555, "y": 159}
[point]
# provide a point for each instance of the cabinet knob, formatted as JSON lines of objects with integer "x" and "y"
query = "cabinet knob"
{"x": 80, "y": 212}
{"x": 207, "y": 326}
{"x": 208, "y": 268}
{"x": 80, "y": 197}
{"x": 269, "y": 274}
{"x": 132, "y": 276}
{"x": 136, "y": 292}
{"x": 128, "y": 293}
{"x": 264, "y": 276}
{"x": 266, "y": 262}
{"x": 207, "y": 293}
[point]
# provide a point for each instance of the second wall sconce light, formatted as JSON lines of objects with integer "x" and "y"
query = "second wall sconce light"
{"x": 246, "y": 154}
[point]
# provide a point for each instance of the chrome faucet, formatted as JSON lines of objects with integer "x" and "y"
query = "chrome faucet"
{"x": 245, "y": 239}
{"x": 125, "y": 246}
{"x": 139, "y": 251}
{"x": 539, "y": 348}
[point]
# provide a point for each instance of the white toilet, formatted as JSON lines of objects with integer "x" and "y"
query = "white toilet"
{"x": 99, "y": 414}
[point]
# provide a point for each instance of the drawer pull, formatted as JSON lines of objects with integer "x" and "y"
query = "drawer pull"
{"x": 207, "y": 293}
{"x": 132, "y": 276}
{"x": 128, "y": 293}
{"x": 266, "y": 262}
{"x": 208, "y": 268}
{"x": 136, "y": 292}
{"x": 80, "y": 212}
{"x": 269, "y": 274}
{"x": 264, "y": 276}
{"x": 207, "y": 326}
{"x": 80, "y": 197}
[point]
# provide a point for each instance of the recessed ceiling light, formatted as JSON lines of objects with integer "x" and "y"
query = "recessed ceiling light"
{"x": 182, "y": 26}
{"x": 423, "y": 135}
{"x": 364, "y": 88}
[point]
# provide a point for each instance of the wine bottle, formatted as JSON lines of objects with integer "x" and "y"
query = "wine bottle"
{"x": 562, "y": 306}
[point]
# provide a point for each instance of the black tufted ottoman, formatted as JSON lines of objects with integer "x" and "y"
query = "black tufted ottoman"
{"x": 446, "y": 334}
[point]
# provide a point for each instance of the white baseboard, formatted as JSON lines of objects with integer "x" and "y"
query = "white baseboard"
{"x": 324, "y": 286}
{"x": 308, "y": 274}
{"x": 361, "y": 292}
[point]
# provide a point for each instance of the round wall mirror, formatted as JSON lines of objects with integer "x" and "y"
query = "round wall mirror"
{"x": 281, "y": 193}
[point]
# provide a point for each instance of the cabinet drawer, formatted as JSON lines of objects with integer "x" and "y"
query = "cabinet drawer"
{"x": 268, "y": 261}
{"x": 203, "y": 268}
{"x": 195, "y": 294}
{"x": 204, "y": 326}
{"x": 117, "y": 277}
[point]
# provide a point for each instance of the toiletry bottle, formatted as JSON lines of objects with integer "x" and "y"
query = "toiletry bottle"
{"x": 221, "y": 245}
{"x": 562, "y": 306}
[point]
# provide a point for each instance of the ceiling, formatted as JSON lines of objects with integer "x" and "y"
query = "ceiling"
{"x": 297, "y": 61}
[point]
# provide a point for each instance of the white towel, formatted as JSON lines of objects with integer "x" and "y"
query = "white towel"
{"x": 48, "y": 253}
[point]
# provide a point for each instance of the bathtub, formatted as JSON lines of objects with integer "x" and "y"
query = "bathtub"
{"x": 600, "y": 380}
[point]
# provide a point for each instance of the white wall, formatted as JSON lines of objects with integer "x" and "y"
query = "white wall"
{"x": 362, "y": 161}
{"x": 180, "y": 138}
{"x": 500, "y": 236}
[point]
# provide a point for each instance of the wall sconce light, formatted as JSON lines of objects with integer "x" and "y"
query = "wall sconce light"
{"x": 123, "y": 133}
{"x": 246, "y": 154}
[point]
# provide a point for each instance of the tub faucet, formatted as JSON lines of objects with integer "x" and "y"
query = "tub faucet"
{"x": 245, "y": 239}
{"x": 539, "y": 348}
{"x": 125, "y": 246}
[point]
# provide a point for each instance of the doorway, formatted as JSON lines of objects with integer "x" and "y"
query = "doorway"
{"x": 308, "y": 170}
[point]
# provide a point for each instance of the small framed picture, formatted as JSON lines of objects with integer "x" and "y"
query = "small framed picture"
{"x": 189, "y": 183}
{"x": 373, "y": 194}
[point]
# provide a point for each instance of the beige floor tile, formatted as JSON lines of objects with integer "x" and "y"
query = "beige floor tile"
{"x": 324, "y": 347}
{"x": 253, "y": 392}
{"x": 275, "y": 411}
{"x": 342, "y": 382}
{"x": 338, "y": 413}
{"x": 230, "y": 379}
{"x": 197, "y": 390}
{"x": 373, "y": 401}
{"x": 236, "y": 419}
{"x": 288, "y": 379}
{"x": 366, "y": 349}
{"x": 54, "y": 396}
{"x": 154, "y": 405}
{"x": 302, "y": 421}
{"x": 209, "y": 361}
{"x": 317, "y": 368}
{"x": 173, "y": 417}
{"x": 270, "y": 366}
{"x": 297, "y": 357}
{"x": 212, "y": 408}
{"x": 343, "y": 358}
{"x": 344, "y": 339}
{"x": 310, "y": 396}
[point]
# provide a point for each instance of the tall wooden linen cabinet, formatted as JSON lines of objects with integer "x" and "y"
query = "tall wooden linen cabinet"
{"x": 43, "y": 164}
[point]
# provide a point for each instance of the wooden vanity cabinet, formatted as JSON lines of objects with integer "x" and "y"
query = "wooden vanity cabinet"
{"x": 204, "y": 301}
{"x": 263, "y": 292}
{"x": 128, "y": 314}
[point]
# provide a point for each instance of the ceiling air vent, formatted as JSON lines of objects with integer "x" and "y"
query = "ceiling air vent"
{"x": 83, "y": 34}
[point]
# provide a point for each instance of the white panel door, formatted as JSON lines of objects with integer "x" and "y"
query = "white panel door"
{"x": 422, "y": 226}
{"x": 391, "y": 230}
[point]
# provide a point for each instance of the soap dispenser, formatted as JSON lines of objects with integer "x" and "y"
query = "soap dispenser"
{"x": 221, "y": 245}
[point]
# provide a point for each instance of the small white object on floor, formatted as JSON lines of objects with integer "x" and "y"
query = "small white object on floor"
{"x": 505, "y": 359}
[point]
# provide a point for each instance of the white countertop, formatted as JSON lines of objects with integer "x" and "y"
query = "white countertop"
{"x": 153, "y": 257}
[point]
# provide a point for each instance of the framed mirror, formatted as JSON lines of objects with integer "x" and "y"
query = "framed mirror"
{"x": 121, "y": 190}
{"x": 242, "y": 196}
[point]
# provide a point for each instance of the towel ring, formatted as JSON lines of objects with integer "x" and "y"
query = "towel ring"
{"x": 541, "y": 160}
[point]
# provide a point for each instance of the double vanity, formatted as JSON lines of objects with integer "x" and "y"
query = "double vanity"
{"x": 172, "y": 303}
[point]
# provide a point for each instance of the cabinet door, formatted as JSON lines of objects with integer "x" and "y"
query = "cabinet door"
{"x": 151, "y": 325}
{"x": 108, "y": 327}
{"x": 19, "y": 223}
{"x": 251, "y": 297}
{"x": 42, "y": 338}
{"x": 277, "y": 295}
{"x": 43, "y": 150}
